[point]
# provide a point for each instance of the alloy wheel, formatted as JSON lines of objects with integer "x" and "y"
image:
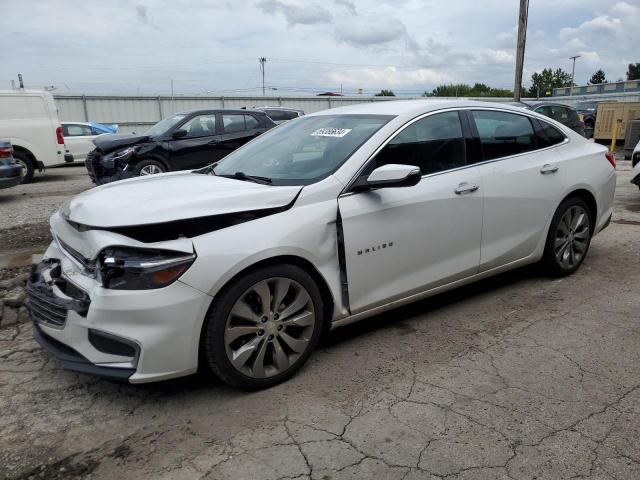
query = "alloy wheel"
{"x": 150, "y": 170}
{"x": 572, "y": 237}
{"x": 269, "y": 327}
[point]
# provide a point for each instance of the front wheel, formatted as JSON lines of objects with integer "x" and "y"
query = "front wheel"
{"x": 569, "y": 237}
{"x": 263, "y": 327}
{"x": 149, "y": 167}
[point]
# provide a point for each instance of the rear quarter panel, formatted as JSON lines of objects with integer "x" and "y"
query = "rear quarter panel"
{"x": 588, "y": 169}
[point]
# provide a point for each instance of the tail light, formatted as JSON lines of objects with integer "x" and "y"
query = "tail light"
{"x": 59, "y": 135}
{"x": 6, "y": 152}
{"x": 612, "y": 158}
{"x": 581, "y": 124}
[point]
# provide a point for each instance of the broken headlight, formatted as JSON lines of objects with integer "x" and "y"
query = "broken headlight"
{"x": 123, "y": 268}
{"x": 120, "y": 157}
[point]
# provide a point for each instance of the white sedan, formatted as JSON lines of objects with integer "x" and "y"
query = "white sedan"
{"x": 328, "y": 219}
{"x": 79, "y": 137}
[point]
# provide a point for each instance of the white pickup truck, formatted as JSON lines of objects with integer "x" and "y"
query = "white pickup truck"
{"x": 29, "y": 120}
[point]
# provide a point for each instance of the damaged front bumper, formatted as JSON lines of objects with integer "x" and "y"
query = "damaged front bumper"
{"x": 127, "y": 335}
{"x": 103, "y": 169}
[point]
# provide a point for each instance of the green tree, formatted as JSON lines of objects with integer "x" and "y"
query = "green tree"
{"x": 464, "y": 90}
{"x": 633, "y": 73}
{"x": 385, "y": 93}
{"x": 598, "y": 77}
{"x": 543, "y": 83}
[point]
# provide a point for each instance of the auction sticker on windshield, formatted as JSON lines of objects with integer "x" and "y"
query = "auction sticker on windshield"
{"x": 331, "y": 132}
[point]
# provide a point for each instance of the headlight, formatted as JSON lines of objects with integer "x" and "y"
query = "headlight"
{"x": 123, "y": 268}
{"x": 124, "y": 154}
{"x": 109, "y": 160}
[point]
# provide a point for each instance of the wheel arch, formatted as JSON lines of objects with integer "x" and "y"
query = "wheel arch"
{"x": 590, "y": 199}
{"x": 303, "y": 263}
{"x": 27, "y": 152}
{"x": 155, "y": 158}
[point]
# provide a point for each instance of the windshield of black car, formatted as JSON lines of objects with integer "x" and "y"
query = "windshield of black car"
{"x": 163, "y": 126}
{"x": 304, "y": 150}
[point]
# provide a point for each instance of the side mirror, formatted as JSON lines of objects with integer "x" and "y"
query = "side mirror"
{"x": 179, "y": 133}
{"x": 393, "y": 175}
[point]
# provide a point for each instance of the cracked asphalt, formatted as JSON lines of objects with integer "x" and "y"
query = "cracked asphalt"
{"x": 517, "y": 377}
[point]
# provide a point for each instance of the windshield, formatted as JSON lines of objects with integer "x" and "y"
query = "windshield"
{"x": 304, "y": 150}
{"x": 163, "y": 126}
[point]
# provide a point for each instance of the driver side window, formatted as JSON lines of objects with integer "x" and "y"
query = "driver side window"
{"x": 200, "y": 126}
{"x": 434, "y": 144}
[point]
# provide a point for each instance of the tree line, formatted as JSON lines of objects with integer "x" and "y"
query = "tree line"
{"x": 542, "y": 85}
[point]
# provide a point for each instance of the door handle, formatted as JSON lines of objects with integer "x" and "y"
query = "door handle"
{"x": 213, "y": 142}
{"x": 548, "y": 168}
{"x": 465, "y": 187}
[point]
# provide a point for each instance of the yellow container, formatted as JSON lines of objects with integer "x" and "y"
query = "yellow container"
{"x": 608, "y": 115}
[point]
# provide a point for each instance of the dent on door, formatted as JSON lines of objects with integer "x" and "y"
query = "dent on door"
{"x": 400, "y": 241}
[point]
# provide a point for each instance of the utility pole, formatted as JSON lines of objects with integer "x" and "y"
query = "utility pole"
{"x": 262, "y": 61}
{"x": 522, "y": 40}
{"x": 573, "y": 71}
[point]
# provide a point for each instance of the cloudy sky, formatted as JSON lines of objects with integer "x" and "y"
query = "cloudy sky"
{"x": 139, "y": 46}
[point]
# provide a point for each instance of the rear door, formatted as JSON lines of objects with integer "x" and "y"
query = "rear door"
{"x": 238, "y": 129}
{"x": 199, "y": 147}
{"x": 401, "y": 241}
{"x": 524, "y": 181}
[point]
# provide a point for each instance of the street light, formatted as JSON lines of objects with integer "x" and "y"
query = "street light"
{"x": 573, "y": 71}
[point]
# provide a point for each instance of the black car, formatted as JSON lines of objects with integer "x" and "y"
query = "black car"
{"x": 588, "y": 110}
{"x": 183, "y": 141}
{"x": 11, "y": 172}
{"x": 560, "y": 113}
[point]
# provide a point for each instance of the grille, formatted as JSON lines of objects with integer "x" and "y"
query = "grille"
{"x": 92, "y": 163}
{"x": 45, "y": 311}
{"x": 44, "y": 305}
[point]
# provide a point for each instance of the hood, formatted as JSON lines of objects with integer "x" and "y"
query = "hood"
{"x": 173, "y": 196}
{"x": 112, "y": 142}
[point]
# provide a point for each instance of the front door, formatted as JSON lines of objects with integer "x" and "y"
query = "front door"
{"x": 199, "y": 147}
{"x": 400, "y": 241}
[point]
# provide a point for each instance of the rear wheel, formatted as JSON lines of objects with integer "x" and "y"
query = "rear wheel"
{"x": 263, "y": 327}
{"x": 569, "y": 237}
{"x": 28, "y": 167}
{"x": 149, "y": 167}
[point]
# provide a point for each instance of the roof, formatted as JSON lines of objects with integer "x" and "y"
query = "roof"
{"x": 408, "y": 107}
{"x": 221, "y": 110}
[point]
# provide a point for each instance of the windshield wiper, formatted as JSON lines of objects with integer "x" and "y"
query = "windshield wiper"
{"x": 249, "y": 178}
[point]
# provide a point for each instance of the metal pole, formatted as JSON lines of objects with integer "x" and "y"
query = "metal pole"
{"x": 573, "y": 72}
{"x": 522, "y": 39}
{"x": 84, "y": 106}
{"x": 262, "y": 61}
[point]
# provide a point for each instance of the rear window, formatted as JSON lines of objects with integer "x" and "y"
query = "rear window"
{"x": 503, "y": 134}
{"x": 547, "y": 135}
{"x": 280, "y": 115}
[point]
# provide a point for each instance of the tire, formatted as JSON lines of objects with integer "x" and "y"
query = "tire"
{"x": 149, "y": 167}
{"x": 271, "y": 346}
{"x": 27, "y": 165}
{"x": 568, "y": 238}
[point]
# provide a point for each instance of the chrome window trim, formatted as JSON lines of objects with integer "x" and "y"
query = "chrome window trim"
{"x": 346, "y": 191}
